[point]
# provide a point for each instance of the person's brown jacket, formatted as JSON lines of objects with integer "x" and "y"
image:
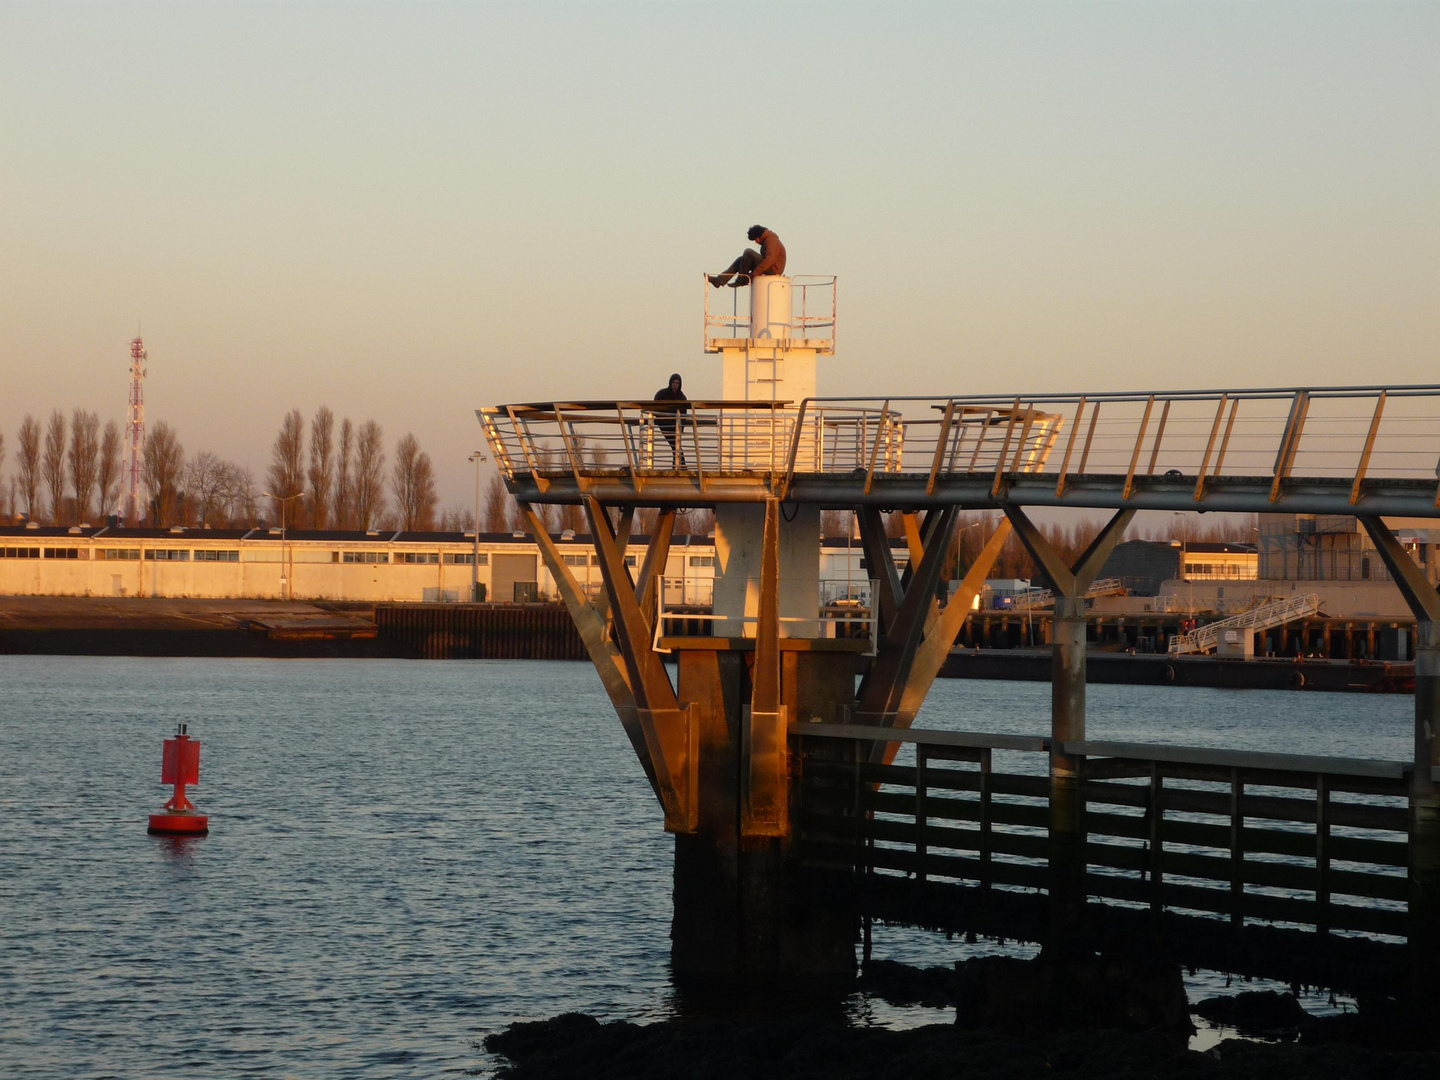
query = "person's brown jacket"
{"x": 772, "y": 255}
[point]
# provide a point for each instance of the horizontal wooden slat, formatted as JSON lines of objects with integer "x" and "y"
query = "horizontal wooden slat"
{"x": 918, "y": 735}
{"x": 1241, "y": 759}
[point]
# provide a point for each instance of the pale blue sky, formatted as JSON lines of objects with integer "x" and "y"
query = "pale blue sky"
{"x": 407, "y": 211}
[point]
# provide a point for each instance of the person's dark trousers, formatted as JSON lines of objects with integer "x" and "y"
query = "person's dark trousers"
{"x": 677, "y": 456}
{"x": 739, "y": 269}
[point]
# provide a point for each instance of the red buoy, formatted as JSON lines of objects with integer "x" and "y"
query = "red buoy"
{"x": 180, "y": 766}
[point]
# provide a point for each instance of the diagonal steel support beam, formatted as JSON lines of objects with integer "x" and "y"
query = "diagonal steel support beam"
{"x": 876, "y": 546}
{"x": 1414, "y": 586}
{"x": 764, "y": 771}
{"x": 943, "y": 628}
{"x": 594, "y": 632}
{"x": 653, "y": 568}
{"x": 622, "y": 538}
{"x": 668, "y": 729}
{"x": 882, "y": 690}
{"x": 1069, "y": 582}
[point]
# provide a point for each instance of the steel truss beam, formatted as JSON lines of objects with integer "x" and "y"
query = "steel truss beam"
{"x": 1388, "y": 497}
{"x": 593, "y": 625}
{"x": 1070, "y": 583}
{"x": 668, "y": 730}
{"x": 906, "y": 666}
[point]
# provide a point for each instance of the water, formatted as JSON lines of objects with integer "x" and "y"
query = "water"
{"x": 404, "y": 855}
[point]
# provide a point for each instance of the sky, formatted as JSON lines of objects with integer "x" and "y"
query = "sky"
{"x": 406, "y": 211}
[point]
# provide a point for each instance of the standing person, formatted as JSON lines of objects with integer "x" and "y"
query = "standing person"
{"x": 666, "y": 420}
{"x": 770, "y": 259}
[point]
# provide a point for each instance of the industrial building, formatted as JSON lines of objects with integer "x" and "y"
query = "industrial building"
{"x": 376, "y": 566}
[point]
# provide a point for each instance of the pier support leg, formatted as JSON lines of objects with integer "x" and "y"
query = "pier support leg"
{"x": 1067, "y": 720}
{"x": 1424, "y": 601}
{"x": 745, "y": 907}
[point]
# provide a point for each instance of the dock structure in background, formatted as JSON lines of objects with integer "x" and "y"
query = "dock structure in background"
{"x": 731, "y": 746}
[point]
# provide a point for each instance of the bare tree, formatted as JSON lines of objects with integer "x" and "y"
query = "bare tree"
{"x": 344, "y": 484}
{"x": 241, "y": 506}
{"x": 457, "y": 519}
{"x": 206, "y": 484}
{"x": 571, "y": 517}
{"x": 369, "y": 483}
{"x": 163, "y": 464}
{"x": 29, "y": 463}
{"x": 107, "y": 475}
{"x": 413, "y": 481}
{"x": 84, "y": 459}
{"x": 497, "y": 506}
{"x": 286, "y": 475}
{"x": 834, "y": 522}
{"x": 53, "y": 465}
{"x": 322, "y": 466}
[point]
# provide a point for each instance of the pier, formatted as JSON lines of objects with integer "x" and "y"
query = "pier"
{"x": 773, "y": 753}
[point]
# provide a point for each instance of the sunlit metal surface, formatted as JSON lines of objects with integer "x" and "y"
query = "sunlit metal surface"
{"x": 1355, "y": 450}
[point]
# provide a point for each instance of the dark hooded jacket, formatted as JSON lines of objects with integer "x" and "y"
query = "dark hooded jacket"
{"x": 666, "y": 419}
{"x": 666, "y": 394}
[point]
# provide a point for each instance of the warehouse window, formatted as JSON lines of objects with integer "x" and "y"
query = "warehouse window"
{"x": 217, "y": 556}
{"x": 417, "y": 557}
{"x": 166, "y": 555}
{"x": 20, "y": 553}
{"x": 118, "y": 554}
{"x": 466, "y": 558}
{"x": 366, "y": 557}
{"x": 574, "y": 560}
{"x": 702, "y": 560}
{"x": 62, "y": 553}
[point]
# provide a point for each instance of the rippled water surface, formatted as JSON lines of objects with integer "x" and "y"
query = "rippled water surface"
{"x": 403, "y": 856}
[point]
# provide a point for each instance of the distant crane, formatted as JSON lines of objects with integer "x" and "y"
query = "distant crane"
{"x": 135, "y": 428}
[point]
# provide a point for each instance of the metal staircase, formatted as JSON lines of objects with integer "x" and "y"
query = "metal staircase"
{"x": 1044, "y": 598}
{"x": 1206, "y": 639}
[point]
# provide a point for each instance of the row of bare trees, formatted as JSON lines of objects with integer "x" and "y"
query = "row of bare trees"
{"x": 69, "y": 471}
{"x": 63, "y": 470}
{"x": 340, "y": 480}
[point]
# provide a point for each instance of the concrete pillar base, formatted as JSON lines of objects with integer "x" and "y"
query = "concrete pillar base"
{"x": 744, "y": 905}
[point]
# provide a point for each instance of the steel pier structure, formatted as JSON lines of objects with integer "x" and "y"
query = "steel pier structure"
{"x": 773, "y": 751}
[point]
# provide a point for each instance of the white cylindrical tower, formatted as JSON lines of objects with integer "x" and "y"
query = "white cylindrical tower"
{"x": 770, "y": 308}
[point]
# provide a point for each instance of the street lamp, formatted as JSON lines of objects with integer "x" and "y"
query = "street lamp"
{"x": 477, "y": 457}
{"x": 285, "y": 574}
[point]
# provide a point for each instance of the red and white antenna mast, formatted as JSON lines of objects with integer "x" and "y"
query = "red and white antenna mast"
{"x": 135, "y": 428}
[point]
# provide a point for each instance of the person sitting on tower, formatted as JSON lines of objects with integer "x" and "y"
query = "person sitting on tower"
{"x": 770, "y": 259}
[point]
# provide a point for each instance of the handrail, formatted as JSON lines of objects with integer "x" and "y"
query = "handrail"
{"x": 1222, "y": 449}
{"x": 1311, "y": 764}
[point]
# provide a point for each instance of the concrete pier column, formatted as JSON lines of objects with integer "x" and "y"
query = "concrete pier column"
{"x": 1425, "y": 814}
{"x": 745, "y": 906}
{"x": 1067, "y": 724}
{"x": 1067, "y": 720}
{"x": 1424, "y": 601}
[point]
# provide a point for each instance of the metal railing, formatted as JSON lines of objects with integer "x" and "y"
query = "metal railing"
{"x": 1315, "y": 844}
{"x": 1041, "y": 598}
{"x": 1269, "y": 437}
{"x": 812, "y": 320}
{"x": 706, "y": 440}
{"x": 832, "y": 620}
